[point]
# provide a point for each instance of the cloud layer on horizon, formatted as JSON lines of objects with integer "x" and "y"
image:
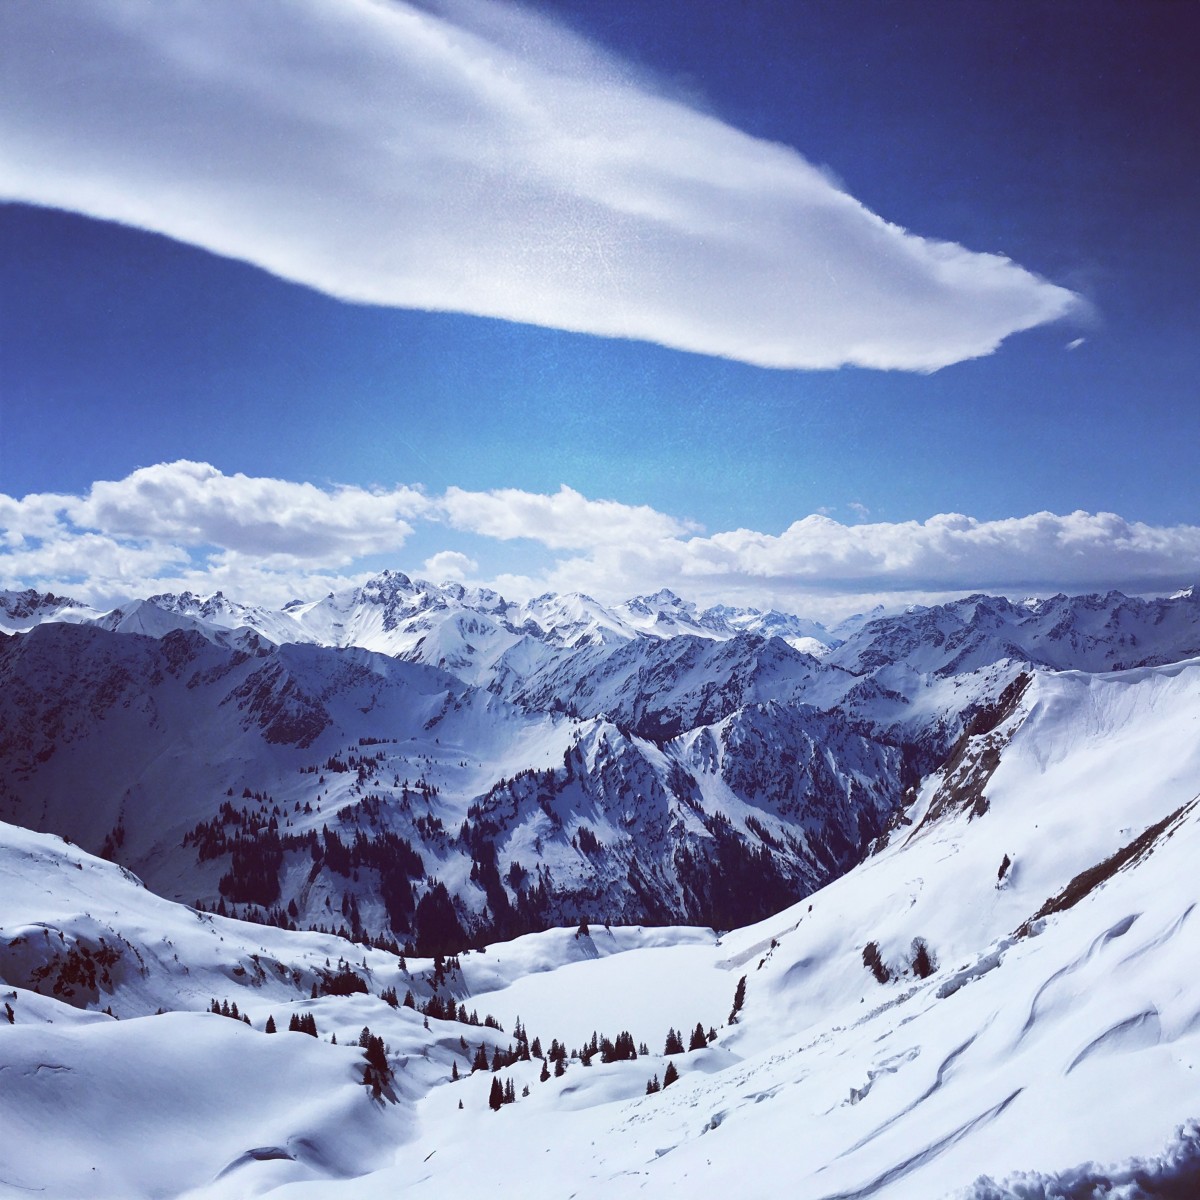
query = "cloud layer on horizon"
{"x": 186, "y": 525}
{"x": 481, "y": 159}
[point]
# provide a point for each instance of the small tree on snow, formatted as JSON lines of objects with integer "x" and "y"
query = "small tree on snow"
{"x": 739, "y": 999}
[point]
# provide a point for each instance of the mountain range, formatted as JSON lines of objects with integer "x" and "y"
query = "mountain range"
{"x": 922, "y": 879}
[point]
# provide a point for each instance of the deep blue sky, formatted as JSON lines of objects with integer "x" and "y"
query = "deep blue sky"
{"x": 1064, "y": 135}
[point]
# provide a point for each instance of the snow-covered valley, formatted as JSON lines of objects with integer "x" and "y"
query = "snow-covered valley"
{"x": 970, "y": 834}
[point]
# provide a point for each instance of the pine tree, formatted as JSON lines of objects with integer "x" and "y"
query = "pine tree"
{"x": 496, "y": 1096}
{"x": 454, "y": 1072}
{"x": 545, "y": 1072}
{"x": 739, "y": 998}
{"x": 652, "y": 1086}
{"x": 536, "y": 1048}
{"x": 698, "y": 1040}
{"x": 674, "y": 1043}
{"x": 378, "y": 1073}
{"x": 510, "y": 1092}
{"x": 480, "y": 1061}
{"x": 669, "y": 1075}
{"x": 558, "y": 1067}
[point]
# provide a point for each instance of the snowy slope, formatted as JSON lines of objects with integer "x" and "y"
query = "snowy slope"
{"x": 1059, "y": 1021}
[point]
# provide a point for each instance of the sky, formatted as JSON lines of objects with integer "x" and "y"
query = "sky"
{"x": 813, "y": 305}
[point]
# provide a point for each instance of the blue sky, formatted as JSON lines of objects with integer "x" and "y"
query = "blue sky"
{"x": 1061, "y": 136}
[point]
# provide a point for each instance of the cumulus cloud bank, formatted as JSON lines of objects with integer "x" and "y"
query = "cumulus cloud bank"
{"x": 188, "y": 525}
{"x": 479, "y": 159}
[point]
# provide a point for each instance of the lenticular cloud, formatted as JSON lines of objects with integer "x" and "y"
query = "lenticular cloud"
{"x": 478, "y": 160}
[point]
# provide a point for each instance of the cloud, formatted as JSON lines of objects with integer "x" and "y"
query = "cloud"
{"x": 479, "y": 159}
{"x": 187, "y": 525}
{"x": 449, "y": 565}
{"x": 292, "y": 523}
{"x": 563, "y": 521}
{"x": 952, "y": 552}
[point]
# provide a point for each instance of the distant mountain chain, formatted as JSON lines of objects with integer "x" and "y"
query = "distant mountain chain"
{"x": 433, "y": 766}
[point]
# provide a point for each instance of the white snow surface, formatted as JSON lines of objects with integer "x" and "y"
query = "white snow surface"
{"x": 1036, "y": 1043}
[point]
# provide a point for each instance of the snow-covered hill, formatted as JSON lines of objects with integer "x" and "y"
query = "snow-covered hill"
{"x": 1005, "y": 988}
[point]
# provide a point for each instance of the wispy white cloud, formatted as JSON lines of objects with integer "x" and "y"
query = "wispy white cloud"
{"x": 478, "y": 159}
{"x": 188, "y": 525}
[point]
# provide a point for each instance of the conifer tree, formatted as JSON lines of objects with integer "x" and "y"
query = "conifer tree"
{"x": 674, "y": 1043}
{"x": 545, "y": 1072}
{"x": 698, "y": 1039}
{"x": 739, "y": 998}
{"x": 480, "y": 1061}
{"x": 496, "y": 1096}
{"x": 652, "y": 1086}
{"x": 270, "y": 1025}
{"x": 669, "y": 1075}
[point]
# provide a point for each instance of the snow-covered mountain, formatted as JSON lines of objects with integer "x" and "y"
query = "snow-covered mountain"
{"x": 999, "y": 1001}
{"x": 223, "y": 776}
{"x": 526, "y": 764}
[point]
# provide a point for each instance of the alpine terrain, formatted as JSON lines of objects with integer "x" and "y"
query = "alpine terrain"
{"x": 413, "y": 890}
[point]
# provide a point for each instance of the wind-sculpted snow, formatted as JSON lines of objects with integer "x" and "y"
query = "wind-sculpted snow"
{"x": 1173, "y": 1174}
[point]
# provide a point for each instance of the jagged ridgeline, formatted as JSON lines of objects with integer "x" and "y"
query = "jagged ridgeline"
{"x": 428, "y": 768}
